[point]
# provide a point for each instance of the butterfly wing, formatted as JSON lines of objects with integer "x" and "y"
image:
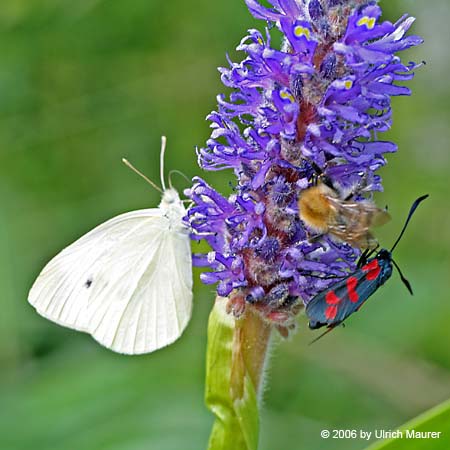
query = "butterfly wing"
{"x": 128, "y": 283}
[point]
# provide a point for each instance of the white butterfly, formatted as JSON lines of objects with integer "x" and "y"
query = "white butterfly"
{"x": 128, "y": 282}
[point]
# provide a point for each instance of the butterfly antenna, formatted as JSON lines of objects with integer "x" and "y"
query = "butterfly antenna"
{"x": 161, "y": 161}
{"x": 322, "y": 335}
{"x": 402, "y": 277}
{"x": 150, "y": 182}
{"x": 411, "y": 212}
{"x": 179, "y": 173}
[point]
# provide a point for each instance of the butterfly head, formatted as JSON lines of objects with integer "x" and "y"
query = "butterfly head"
{"x": 170, "y": 197}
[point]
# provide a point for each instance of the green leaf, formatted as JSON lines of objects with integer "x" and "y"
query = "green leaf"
{"x": 234, "y": 366}
{"x": 435, "y": 420}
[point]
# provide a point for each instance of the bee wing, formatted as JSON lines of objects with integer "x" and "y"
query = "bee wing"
{"x": 352, "y": 221}
{"x": 380, "y": 217}
{"x": 364, "y": 212}
{"x": 359, "y": 237}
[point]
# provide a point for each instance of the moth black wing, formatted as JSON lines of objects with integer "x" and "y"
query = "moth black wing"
{"x": 332, "y": 306}
{"x": 325, "y": 308}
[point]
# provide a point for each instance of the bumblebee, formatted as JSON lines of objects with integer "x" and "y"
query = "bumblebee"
{"x": 326, "y": 210}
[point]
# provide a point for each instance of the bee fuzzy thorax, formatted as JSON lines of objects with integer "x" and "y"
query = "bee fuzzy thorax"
{"x": 314, "y": 207}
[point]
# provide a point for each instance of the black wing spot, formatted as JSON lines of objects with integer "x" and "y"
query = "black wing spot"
{"x": 88, "y": 283}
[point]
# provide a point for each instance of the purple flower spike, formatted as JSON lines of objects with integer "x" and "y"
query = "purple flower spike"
{"x": 321, "y": 100}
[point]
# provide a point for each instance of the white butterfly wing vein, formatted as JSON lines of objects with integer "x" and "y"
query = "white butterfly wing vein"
{"x": 128, "y": 282}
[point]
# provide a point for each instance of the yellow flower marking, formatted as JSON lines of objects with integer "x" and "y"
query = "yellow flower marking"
{"x": 369, "y": 22}
{"x": 300, "y": 31}
{"x": 348, "y": 84}
{"x": 287, "y": 96}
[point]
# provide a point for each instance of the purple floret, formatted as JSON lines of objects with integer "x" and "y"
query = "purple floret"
{"x": 322, "y": 99}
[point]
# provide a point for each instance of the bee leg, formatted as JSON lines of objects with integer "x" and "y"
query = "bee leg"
{"x": 319, "y": 175}
{"x": 314, "y": 180}
{"x": 358, "y": 188}
{"x": 315, "y": 239}
{"x": 352, "y": 193}
{"x": 349, "y": 196}
{"x": 316, "y": 169}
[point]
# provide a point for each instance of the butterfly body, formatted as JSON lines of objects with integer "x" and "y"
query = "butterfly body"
{"x": 173, "y": 210}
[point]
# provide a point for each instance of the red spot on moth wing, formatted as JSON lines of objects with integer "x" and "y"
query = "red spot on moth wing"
{"x": 372, "y": 269}
{"x": 331, "y": 298}
{"x": 330, "y": 312}
{"x": 352, "y": 282}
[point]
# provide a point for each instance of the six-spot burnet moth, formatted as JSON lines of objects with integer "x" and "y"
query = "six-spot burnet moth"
{"x": 333, "y": 305}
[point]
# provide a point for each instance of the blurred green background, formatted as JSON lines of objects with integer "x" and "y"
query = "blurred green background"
{"x": 83, "y": 84}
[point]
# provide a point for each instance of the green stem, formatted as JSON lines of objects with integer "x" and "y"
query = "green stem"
{"x": 236, "y": 357}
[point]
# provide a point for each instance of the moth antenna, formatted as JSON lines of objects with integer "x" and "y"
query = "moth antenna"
{"x": 161, "y": 161}
{"x": 404, "y": 280}
{"x": 411, "y": 212}
{"x": 150, "y": 182}
{"x": 322, "y": 335}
